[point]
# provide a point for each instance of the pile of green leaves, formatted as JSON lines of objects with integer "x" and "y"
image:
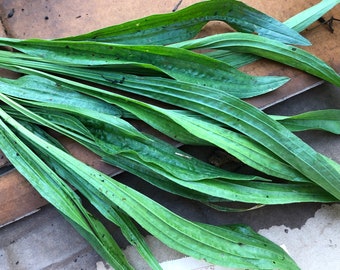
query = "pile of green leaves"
{"x": 154, "y": 57}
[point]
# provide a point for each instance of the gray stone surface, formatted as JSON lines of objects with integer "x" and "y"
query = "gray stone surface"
{"x": 44, "y": 240}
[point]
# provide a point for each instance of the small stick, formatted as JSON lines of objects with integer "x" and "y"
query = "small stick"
{"x": 177, "y": 5}
{"x": 329, "y": 23}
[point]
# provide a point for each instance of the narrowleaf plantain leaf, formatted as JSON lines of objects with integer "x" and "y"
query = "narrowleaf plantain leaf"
{"x": 195, "y": 82}
{"x": 235, "y": 59}
{"x": 327, "y": 120}
{"x": 217, "y": 190}
{"x": 124, "y": 139}
{"x": 254, "y": 123}
{"x": 221, "y": 248}
{"x": 302, "y": 20}
{"x": 175, "y": 124}
{"x": 109, "y": 77}
{"x": 220, "y": 187}
{"x": 185, "y": 24}
{"x": 60, "y": 195}
{"x": 180, "y": 64}
{"x": 238, "y": 112}
{"x": 244, "y": 149}
{"x": 157, "y": 160}
{"x": 106, "y": 208}
{"x": 266, "y": 48}
{"x": 298, "y": 22}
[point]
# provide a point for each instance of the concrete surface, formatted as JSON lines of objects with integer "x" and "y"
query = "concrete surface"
{"x": 310, "y": 232}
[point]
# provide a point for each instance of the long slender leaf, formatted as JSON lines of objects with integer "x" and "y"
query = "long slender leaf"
{"x": 105, "y": 207}
{"x": 157, "y": 179}
{"x": 252, "y": 133}
{"x": 327, "y": 120}
{"x": 186, "y": 23}
{"x": 209, "y": 180}
{"x": 236, "y": 144}
{"x": 118, "y": 137}
{"x": 245, "y": 191}
{"x": 249, "y": 120}
{"x": 232, "y": 111}
{"x": 298, "y": 22}
{"x": 195, "y": 240}
{"x": 51, "y": 187}
{"x": 177, "y": 63}
{"x": 213, "y": 187}
{"x": 270, "y": 49}
{"x": 242, "y": 147}
{"x": 305, "y": 18}
{"x": 105, "y": 77}
{"x": 235, "y": 59}
{"x": 266, "y": 131}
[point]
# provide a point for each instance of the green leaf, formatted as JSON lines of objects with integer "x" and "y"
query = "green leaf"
{"x": 162, "y": 157}
{"x": 302, "y": 20}
{"x": 180, "y": 64}
{"x": 59, "y": 194}
{"x": 108, "y": 210}
{"x": 215, "y": 185}
{"x": 176, "y": 125}
{"x": 217, "y": 190}
{"x": 298, "y": 22}
{"x": 235, "y": 59}
{"x": 109, "y": 78}
{"x": 44, "y": 90}
{"x": 186, "y": 23}
{"x": 249, "y": 120}
{"x": 270, "y": 49}
{"x": 327, "y": 120}
{"x": 195, "y": 240}
{"x": 155, "y": 160}
{"x": 117, "y": 136}
{"x": 236, "y": 144}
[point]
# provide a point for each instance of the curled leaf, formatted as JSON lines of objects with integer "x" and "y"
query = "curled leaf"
{"x": 184, "y": 24}
{"x": 266, "y": 48}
